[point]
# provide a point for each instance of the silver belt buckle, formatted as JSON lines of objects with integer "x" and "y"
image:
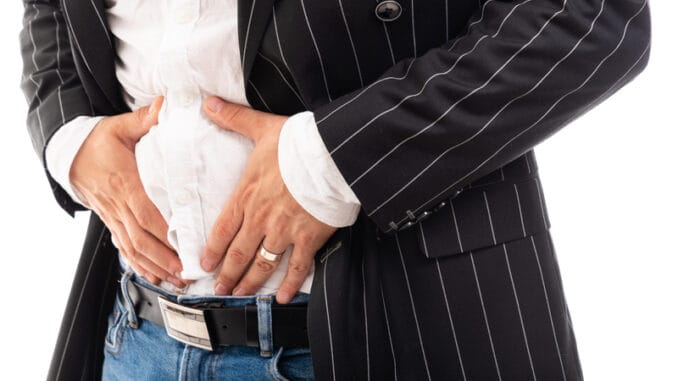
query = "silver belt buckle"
{"x": 185, "y": 324}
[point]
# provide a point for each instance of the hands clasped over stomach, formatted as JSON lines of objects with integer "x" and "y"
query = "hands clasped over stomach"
{"x": 259, "y": 211}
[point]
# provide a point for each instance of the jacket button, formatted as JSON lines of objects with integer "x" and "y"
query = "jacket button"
{"x": 388, "y": 11}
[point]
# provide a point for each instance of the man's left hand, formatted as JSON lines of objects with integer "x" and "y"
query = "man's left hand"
{"x": 261, "y": 211}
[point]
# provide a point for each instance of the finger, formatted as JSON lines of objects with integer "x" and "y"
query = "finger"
{"x": 124, "y": 250}
{"x": 223, "y": 231}
{"x": 136, "y": 124}
{"x": 238, "y": 258}
{"x": 299, "y": 265}
{"x": 241, "y": 119}
{"x": 139, "y": 269}
{"x": 149, "y": 246}
{"x": 261, "y": 269}
{"x": 134, "y": 257}
{"x": 146, "y": 213}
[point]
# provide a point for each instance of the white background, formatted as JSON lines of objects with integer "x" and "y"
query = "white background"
{"x": 609, "y": 181}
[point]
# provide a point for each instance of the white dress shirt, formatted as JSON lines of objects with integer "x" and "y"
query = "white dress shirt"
{"x": 187, "y": 50}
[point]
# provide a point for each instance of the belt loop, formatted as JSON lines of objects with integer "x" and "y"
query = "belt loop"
{"x": 265, "y": 325}
{"x": 131, "y": 313}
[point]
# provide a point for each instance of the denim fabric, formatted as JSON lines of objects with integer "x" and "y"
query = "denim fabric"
{"x": 148, "y": 353}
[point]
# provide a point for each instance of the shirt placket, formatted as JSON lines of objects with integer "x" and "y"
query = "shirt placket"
{"x": 179, "y": 135}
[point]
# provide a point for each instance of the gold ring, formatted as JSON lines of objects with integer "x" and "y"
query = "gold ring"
{"x": 269, "y": 256}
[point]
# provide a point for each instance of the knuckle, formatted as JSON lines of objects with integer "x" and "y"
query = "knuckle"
{"x": 264, "y": 267}
{"x": 304, "y": 239}
{"x": 298, "y": 267}
{"x": 231, "y": 114}
{"x": 139, "y": 243}
{"x": 258, "y": 218}
{"x": 238, "y": 256}
{"x": 224, "y": 228}
{"x": 132, "y": 255}
{"x": 144, "y": 219}
{"x": 276, "y": 226}
{"x": 115, "y": 182}
{"x": 247, "y": 193}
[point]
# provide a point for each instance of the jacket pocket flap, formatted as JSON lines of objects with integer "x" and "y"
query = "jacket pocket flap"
{"x": 484, "y": 216}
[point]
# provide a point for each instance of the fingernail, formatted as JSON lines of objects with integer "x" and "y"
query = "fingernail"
{"x": 220, "y": 289}
{"x": 215, "y": 104}
{"x": 239, "y": 292}
{"x": 208, "y": 263}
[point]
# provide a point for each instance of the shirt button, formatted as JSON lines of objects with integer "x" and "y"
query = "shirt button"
{"x": 186, "y": 99}
{"x": 388, "y": 11}
{"x": 183, "y": 197}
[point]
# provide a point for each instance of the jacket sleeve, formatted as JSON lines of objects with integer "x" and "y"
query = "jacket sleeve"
{"x": 50, "y": 82}
{"x": 522, "y": 70}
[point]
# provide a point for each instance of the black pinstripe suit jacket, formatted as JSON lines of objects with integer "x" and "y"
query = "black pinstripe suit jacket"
{"x": 431, "y": 118}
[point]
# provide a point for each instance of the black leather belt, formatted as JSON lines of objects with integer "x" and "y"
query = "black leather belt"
{"x": 210, "y": 325}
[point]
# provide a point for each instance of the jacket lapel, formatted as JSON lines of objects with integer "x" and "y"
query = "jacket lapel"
{"x": 87, "y": 21}
{"x": 253, "y": 18}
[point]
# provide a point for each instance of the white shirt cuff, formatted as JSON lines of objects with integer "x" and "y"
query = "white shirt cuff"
{"x": 62, "y": 148}
{"x": 310, "y": 174}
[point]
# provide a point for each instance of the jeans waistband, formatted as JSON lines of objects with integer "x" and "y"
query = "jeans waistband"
{"x": 262, "y": 301}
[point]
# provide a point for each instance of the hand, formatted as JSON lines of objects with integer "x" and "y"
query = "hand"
{"x": 105, "y": 176}
{"x": 260, "y": 211}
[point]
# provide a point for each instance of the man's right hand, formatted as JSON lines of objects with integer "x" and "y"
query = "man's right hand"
{"x": 104, "y": 174}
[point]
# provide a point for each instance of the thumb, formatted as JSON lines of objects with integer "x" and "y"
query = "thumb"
{"x": 141, "y": 120}
{"x": 238, "y": 118}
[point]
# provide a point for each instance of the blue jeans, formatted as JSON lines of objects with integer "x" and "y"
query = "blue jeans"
{"x": 148, "y": 353}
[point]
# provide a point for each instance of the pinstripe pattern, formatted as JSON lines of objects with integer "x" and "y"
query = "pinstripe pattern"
{"x": 545, "y": 114}
{"x": 49, "y": 80}
{"x": 548, "y": 306}
{"x": 446, "y": 112}
{"x": 388, "y": 330}
{"x": 328, "y": 321}
{"x": 58, "y": 62}
{"x": 247, "y": 33}
{"x": 263, "y": 101}
{"x": 367, "y": 327}
{"x": 418, "y": 93}
{"x": 397, "y": 201}
{"x": 315, "y": 45}
{"x": 432, "y": 118}
{"x": 487, "y": 322}
{"x": 282, "y": 76}
{"x": 520, "y": 313}
{"x": 355, "y": 97}
{"x": 388, "y": 39}
{"x": 511, "y": 193}
{"x": 101, "y": 22}
{"x": 35, "y": 66}
{"x": 355, "y": 54}
{"x": 71, "y": 329}
{"x": 449, "y": 315}
{"x": 414, "y": 310}
{"x": 520, "y": 210}
{"x": 406, "y": 74}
